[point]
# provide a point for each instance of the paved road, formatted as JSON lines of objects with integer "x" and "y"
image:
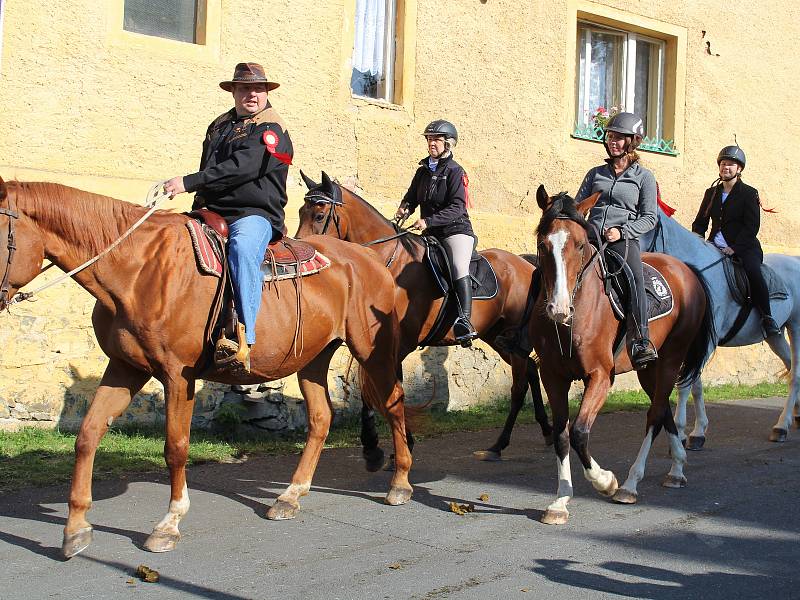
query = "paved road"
{"x": 733, "y": 533}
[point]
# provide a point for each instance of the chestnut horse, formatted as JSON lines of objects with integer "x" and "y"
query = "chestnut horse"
{"x": 333, "y": 210}
{"x": 573, "y": 330}
{"x": 153, "y": 309}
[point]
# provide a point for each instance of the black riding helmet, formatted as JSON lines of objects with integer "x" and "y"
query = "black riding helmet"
{"x": 628, "y": 124}
{"x": 442, "y": 127}
{"x": 733, "y": 153}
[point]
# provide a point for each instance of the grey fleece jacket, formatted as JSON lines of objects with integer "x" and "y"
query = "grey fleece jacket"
{"x": 627, "y": 201}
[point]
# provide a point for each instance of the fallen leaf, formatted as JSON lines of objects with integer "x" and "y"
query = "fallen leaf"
{"x": 461, "y": 509}
{"x": 147, "y": 574}
{"x": 131, "y": 581}
{"x": 483, "y": 497}
{"x": 395, "y": 566}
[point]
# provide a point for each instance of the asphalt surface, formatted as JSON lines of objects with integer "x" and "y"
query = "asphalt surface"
{"x": 734, "y": 532}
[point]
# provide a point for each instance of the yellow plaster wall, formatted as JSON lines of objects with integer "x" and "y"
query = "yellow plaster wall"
{"x": 87, "y": 104}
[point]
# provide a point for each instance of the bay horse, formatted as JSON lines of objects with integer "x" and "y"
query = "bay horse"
{"x": 153, "y": 309}
{"x": 670, "y": 237}
{"x": 573, "y": 330}
{"x": 333, "y": 210}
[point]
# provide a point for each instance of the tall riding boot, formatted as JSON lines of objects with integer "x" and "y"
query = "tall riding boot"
{"x": 643, "y": 351}
{"x": 462, "y": 328}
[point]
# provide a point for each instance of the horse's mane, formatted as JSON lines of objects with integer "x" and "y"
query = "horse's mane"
{"x": 410, "y": 241}
{"x": 562, "y": 207}
{"x": 102, "y": 219}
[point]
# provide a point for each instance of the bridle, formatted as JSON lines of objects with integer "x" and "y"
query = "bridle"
{"x": 585, "y": 266}
{"x": 5, "y": 299}
{"x": 332, "y": 216}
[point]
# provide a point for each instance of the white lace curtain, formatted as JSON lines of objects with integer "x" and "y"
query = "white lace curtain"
{"x": 369, "y": 48}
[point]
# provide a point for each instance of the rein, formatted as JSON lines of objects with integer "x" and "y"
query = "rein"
{"x": 154, "y": 198}
{"x": 12, "y": 246}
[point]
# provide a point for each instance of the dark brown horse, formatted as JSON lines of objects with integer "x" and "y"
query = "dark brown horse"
{"x": 573, "y": 331}
{"x": 152, "y": 310}
{"x": 333, "y": 210}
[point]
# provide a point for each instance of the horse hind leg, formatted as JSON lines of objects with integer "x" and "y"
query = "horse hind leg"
{"x": 519, "y": 389}
{"x": 179, "y": 402}
{"x": 697, "y": 438}
{"x": 313, "y": 379}
{"x": 118, "y": 385}
{"x": 789, "y": 353}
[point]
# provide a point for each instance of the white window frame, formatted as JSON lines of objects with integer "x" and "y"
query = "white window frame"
{"x": 628, "y": 68}
{"x": 389, "y": 53}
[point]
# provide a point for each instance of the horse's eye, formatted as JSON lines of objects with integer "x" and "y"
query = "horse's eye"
{"x": 581, "y": 246}
{"x": 319, "y": 217}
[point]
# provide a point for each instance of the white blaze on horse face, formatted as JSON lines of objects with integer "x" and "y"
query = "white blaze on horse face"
{"x": 559, "y": 307}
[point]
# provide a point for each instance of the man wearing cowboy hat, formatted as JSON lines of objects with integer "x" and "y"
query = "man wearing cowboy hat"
{"x": 242, "y": 176}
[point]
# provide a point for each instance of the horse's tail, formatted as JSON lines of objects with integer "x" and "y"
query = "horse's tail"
{"x": 704, "y": 343}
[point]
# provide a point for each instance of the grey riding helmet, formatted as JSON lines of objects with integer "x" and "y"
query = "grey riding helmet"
{"x": 627, "y": 124}
{"x": 442, "y": 127}
{"x": 733, "y": 153}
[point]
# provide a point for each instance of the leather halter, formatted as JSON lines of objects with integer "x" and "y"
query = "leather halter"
{"x": 11, "y": 246}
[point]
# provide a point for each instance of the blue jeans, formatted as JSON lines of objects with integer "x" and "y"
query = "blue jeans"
{"x": 247, "y": 242}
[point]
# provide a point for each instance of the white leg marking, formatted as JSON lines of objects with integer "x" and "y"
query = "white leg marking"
{"x": 177, "y": 510}
{"x": 295, "y": 491}
{"x": 700, "y": 416}
{"x": 680, "y": 411}
{"x": 600, "y": 478}
{"x": 564, "y": 486}
{"x": 789, "y": 356}
{"x": 636, "y": 473}
{"x": 678, "y": 456}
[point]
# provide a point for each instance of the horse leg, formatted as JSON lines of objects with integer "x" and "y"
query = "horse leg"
{"x": 370, "y": 450}
{"x": 519, "y": 388}
{"x": 179, "y": 403}
{"x": 558, "y": 391}
{"x": 313, "y": 379}
{"x": 119, "y": 384}
{"x": 532, "y": 373}
{"x": 680, "y": 411}
{"x": 790, "y": 355}
{"x": 593, "y": 398}
{"x": 697, "y": 438}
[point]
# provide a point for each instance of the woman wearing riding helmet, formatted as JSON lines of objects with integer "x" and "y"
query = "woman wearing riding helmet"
{"x": 625, "y": 210}
{"x": 439, "y": 188}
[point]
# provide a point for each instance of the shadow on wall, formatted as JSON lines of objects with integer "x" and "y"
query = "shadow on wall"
{"x": 433, "y": 383}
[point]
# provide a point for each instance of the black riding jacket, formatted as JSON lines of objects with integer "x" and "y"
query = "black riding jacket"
{"x": 441, "y": 197}
{"x": 244, "y": 167}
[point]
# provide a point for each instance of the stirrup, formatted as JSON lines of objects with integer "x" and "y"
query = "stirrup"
{"x": 642, "y": 353}
{"x": 233, "y": 356}
{"x": 467, "y": 333}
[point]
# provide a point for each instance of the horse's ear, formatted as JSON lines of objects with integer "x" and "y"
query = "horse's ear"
{"x": 587, "y": 204}
{"x": 326, "y": 181}
{"x": 542, "y": 198}
{"x": 310, "y": 183}
{"x": 3, "y": 189}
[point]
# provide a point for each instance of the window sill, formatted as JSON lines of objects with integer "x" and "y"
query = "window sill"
{"x": 367, "y": 101}
{"x": 655, "y": 145}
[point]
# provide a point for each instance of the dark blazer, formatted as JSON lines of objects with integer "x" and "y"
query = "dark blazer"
{"x": 739, "y": 218}
{"x": 441, "y": 197}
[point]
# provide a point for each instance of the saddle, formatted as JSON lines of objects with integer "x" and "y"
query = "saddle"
{"x": 285, "y": 257}
{"x": 482, "y": 277}
{"x": 739, "y": 284}
{"x": 660, "y": 301}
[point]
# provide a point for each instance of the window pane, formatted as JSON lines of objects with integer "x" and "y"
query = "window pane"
{"x": 373, "y": 50}
{"x": 605, "y": 66}
{"x": 172, "y": 19}
{"x": 646, "y": 86}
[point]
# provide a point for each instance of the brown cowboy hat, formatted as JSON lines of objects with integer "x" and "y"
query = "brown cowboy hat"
{"x": 248, "y": 73}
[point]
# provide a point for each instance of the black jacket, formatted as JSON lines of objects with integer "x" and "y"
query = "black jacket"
{"x": 441, "y": 197}
{"x": 244, "y": 167}
{"x": 739, "y": 218}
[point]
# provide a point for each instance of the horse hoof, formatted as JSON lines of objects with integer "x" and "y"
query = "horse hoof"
{"x": 696, "y": 442}
{"x": 162, "y": 541}
{"x": 374, "y": 459}
{"x": 611, "y": 489}
{"x": 671, "y": 481}
{"x": 398, "y": 496}
{"x": 623, "y": 496}
{"x": 487, "y": 455}
{"x": 555, "y": 517}
{"x": 283, "y": 510}
{"x": 75, "y": 543}
{"x": 778, "y": 435}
